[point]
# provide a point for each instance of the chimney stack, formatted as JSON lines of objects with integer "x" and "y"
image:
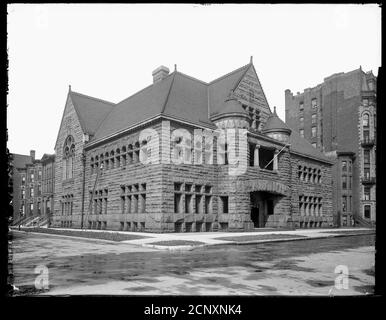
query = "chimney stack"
{"x": 160, "y": 73}
{"x": 32, "y": 154}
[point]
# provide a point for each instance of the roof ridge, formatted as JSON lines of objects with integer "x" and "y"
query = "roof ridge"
{"x": 262, "y": 90}
{"x": 149, "y": 86}
{"x": 76, "y": 107}
{"x": 228, "y": 74}
{"x": 167, "y": 96}
{"x": 241, "y": 77}
{"x": 192, "y": 78}
{"x": 90, "y": 97}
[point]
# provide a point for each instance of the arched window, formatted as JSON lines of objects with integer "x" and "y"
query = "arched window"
{"x": 365, "y": 120}
{"x": 68, "y": 157}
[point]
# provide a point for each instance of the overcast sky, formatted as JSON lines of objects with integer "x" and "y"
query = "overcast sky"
{"x": 110, "y": 51}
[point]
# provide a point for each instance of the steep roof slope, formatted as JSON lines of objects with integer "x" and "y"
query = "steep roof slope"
{"x": 91, "y": 111}
{"x": 220, "y": 88}
{"x": 143, "y": 105}
{"x": 188, "y": 100}
{"x": 275, "y": 123}
{"x": 302, "y": 146}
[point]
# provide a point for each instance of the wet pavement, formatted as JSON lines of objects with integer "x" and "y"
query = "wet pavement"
{"x": 78, "y": 266}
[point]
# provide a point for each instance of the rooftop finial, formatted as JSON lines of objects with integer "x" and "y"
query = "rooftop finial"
{"x": 274, "y": 109}
{"x": 251, "y": 60}
{"x": 175, "y": 67}
{"x": 69, "y": 87}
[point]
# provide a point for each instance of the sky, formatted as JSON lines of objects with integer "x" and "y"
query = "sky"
{"x": 110, "y": 51}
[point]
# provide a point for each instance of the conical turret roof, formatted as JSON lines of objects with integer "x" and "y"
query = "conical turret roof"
{"x": 275, "y": 124}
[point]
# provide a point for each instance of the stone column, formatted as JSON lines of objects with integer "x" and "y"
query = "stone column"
{"x": 275, "y": 160}
{"x": 256, "y": 156}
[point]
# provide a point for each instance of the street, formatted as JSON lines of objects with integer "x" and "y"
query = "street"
{"x": 305, "y": 267}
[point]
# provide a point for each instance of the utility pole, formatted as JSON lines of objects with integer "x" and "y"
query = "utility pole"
{"x": 83, "y": 186}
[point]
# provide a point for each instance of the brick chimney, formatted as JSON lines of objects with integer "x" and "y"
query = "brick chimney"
{"x": 32, "y": 154}
{"x": 160, "y": 73}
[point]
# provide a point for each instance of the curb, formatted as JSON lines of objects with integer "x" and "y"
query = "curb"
{"x": 192, "y": 247}
{"x": 174, "y": 248}
{"x": 73, "y": 237}
{"x": 240, "y": 243}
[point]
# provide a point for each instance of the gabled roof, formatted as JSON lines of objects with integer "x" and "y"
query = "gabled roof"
{"x": 20, "y": 161}
{"x": 220, "y": 88}
{"x": 178, "y": 96}
{"x": 139, "y": 107}
{"x": 91, "y": 111}
{"x": 187, "y": 100}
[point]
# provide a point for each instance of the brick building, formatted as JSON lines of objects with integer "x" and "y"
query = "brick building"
{"x": 48, "y": 167}
{"x": 162, "y": 160}
{"x": 33, "y": 186}
{"x": 19, "y": 176}
{"x": 338, "y": 117}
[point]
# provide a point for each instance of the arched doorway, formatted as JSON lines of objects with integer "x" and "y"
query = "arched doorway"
{"x": 262, "y": 206}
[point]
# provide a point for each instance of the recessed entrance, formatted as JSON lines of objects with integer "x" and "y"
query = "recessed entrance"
{"x": 262, "y": 206}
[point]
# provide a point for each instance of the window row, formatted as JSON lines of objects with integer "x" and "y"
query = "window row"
{"x": 98, "y": 201}
{"x": 120, "y": 157}
{"x": 307, "y": 174}
{"x": 190, "y": 187}
{"x": 346, "y": 203}
{"x": 314, "y": 104}
{"x": 134, "y": 203}
{"x": 66, "y": 224}
{"x": 197, "y": 199}
{"x": 97, "y": 225}
{"x": 134, "y": 188}
{"x": 67, "y": 202}
{"x": 310, "y": 206}
{"x": 313, "y": 119}
{"x": 132, "y": 226}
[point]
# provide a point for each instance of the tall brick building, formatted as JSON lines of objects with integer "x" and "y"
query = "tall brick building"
{"x": 158, "y": 162}
{"x": 339, "y": 118}
{"x": 19, "y": 176}
{"x": 33, "y": 186}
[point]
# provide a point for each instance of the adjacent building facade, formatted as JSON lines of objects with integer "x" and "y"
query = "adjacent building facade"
{"x": 162, "y": 160}
{"x": 33, "y": 186}
{"x": 19, "y": 178}
{"x": 338, "y": 117}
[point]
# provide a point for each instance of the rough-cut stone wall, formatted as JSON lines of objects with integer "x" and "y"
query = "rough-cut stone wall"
{"x": 208, "y": 181}
{"x": 250, "y": 92}
{"x": 70, "y": 126}
{"x": 322, "y": 189}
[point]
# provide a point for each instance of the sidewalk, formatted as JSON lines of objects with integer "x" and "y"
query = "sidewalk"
{"x": 175, "y": 241}
{"x": 191, "y": 240}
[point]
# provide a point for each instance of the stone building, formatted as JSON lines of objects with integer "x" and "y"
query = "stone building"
{"x": 164, "y": 160}
{"x": 338, "y": 117}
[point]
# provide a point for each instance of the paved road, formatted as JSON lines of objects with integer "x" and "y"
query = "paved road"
{"x": 307, "y": 267}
